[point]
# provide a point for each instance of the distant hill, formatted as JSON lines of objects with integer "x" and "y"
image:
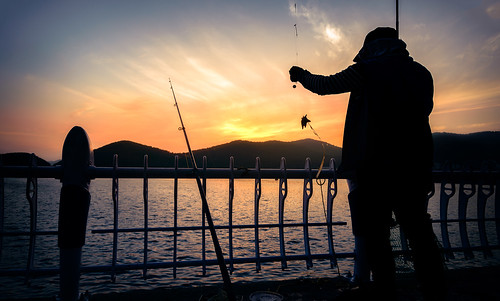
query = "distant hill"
{"x": 131, "y": 154}
{"x": 244, "y": 153}
{"x": 460, "y": 150}
{"x": 270, "y": 153}
{"x": 467, "y": 150}
{"x": 21, "y": 159}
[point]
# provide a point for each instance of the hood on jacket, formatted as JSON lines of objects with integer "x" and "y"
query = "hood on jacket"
{"x": 381, "y": 41}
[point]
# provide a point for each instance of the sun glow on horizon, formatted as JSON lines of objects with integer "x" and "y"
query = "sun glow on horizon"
{"x": 244, "y": 130}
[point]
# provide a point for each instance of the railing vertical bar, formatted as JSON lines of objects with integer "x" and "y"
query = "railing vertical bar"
{"x": 445, "y": 195}
{"x": 307, "y": 192}
{"x": 203, "y": 219}
{"x": 404, "y": 243}
{"x": 429, "y": 196}
{"x": 32, "y": 196}
{"x": 176, "y": 187}
{"x": 114, "y": 192}
{"x": 331, "y": 194}
{"x": 484, "y": 192}
{"x": 145, "y": 195}
{"x": 2, "y": 209}
{"x": 283, "y": 190}
{"x": 465, "y": 192}
{"x": 230, "y": 213}
{"x": 257, "y": 191}
{"x": 497, "y": 209}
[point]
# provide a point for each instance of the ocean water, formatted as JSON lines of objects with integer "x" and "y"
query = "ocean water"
{"x": 99, "y": 246}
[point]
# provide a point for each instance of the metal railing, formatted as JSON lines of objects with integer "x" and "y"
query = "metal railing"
{"x": 482, "y": 186}
{"x": 115, "y": 173}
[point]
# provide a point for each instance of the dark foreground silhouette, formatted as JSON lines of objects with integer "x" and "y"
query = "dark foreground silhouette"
{"x": 464, "y": 285}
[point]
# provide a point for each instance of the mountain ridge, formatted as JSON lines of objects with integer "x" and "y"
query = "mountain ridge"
{"x": 456, "y": 151}
{"x": 244, "y": 153}
{"x": 473, "y": 151}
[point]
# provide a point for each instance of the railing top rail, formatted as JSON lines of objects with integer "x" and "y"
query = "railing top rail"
{"x": 35, "y": 171}
{"x": 211, "y": 173}
{"x": 222, "y": 173}
{"x": 157, "y": 172}
{"x": 472, "y": 177}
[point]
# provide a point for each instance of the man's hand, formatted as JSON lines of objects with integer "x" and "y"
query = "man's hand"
{"x": 296, "y": 74}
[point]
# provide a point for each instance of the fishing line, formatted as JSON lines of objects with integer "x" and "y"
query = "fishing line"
{"x": 296, "y": 44}
{"x": 305, "y": 122}
{"x": 296, "y": 40}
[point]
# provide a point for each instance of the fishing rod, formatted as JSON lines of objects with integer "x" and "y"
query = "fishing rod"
{"x": 218, "y": 251}
{"x": 397, "y": 19}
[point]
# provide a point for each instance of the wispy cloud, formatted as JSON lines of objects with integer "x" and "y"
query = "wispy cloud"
{"x": 324, "y": 28}
{"x": 229, "y": 66}
{"x": 494, "y": 11}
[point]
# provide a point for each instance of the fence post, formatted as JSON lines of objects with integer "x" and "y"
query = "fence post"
{"x": 77, "y": 156}
{"x": 283, "y": 191}
{"x": 32, "y": 197}
{"x": 2, "y": 208}
{"x": 258, "y": 192}
{"x": 307, "y": 193}
{"x": 332, "y": 193}
{"x": 230, "y": 213}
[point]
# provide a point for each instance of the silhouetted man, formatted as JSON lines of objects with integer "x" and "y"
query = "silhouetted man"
{"x": 387, "y": 154}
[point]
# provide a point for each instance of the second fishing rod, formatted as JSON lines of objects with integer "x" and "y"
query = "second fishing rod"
{"x": 206, "y": 209}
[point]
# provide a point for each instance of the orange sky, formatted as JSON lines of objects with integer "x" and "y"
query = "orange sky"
{"x": 106, "y": 68}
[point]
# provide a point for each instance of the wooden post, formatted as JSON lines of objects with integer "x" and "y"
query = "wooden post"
{"x": 77, "y": 156}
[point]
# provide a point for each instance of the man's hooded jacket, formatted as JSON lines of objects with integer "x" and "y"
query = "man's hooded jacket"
{"x": 387, "y": 123}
